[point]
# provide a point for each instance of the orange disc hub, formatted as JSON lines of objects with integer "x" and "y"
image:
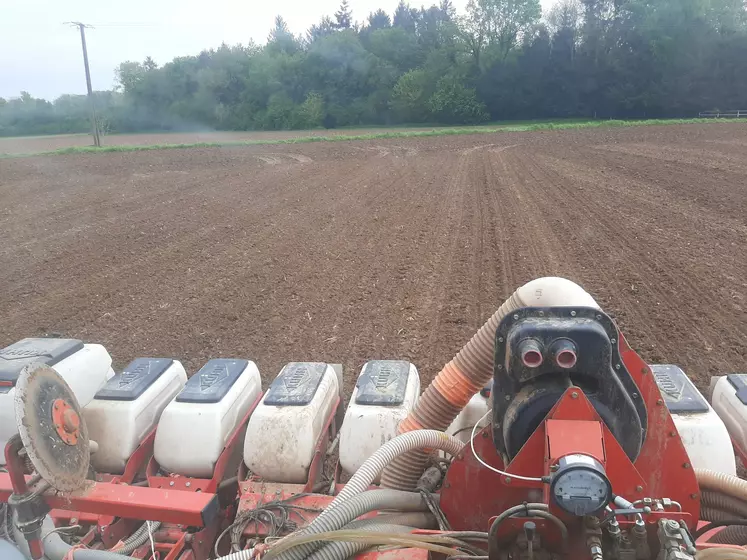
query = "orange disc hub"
{"x": 66, "y": 421}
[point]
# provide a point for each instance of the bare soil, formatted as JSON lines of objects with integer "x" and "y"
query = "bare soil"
{"x": 35, "y": 144}
{"x": 351, "y": 251}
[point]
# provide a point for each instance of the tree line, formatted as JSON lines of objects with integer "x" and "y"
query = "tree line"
{"x": 500, "y": 60}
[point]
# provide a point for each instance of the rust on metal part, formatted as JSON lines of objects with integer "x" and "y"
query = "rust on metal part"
{"x": 61, "y": 461}
{"x": 191, "y": 509}
{"x": 66, "y": 421}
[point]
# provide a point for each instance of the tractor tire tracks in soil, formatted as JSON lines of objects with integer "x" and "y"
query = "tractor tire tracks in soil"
{"x": 365, "y": 250}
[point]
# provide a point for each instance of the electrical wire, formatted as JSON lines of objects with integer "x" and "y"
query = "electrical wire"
{"x": 274, "y": 515}
{"x": 463, "y": 546}
{"x": 4, "y": 527}
{"x": 435, "y": 509}
{"x": 434, "y": 543}
{"x": 484, "y": 464}
{"x": 466, "y": 535}
{"x": 216, "y": 546}
{"x": 529, "y": 510}
{"x": 152, "y": 542}
{"x": 70, "y": 528}
{"x": 333, "y": 446}
{"x": 460, "y": 430}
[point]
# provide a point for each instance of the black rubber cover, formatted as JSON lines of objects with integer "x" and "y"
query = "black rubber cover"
{"x": 522, "y": 396}
{"x": 213, "y": 381}
{"x": 383, "y": 383}
{"x": 134, "y": 379}
{"x": 296, "y": 384}
{"x": 46, "y": 351}
{"x": 679, "y": 394}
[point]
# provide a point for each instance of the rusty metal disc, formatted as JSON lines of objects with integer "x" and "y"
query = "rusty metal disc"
{"x": 52, "y": 428}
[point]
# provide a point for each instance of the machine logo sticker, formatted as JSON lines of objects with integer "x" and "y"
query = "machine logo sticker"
{"x": 384, "y": 377}
{"x": 678, "y": 392}
{"x": 135, "y": 379}
{"x": 20, "y": 353}
{"x": 127, "y": 378}
{"x": 667, "y": 385}
{"x": 212, "y": 377}
{"x": 383, "y": 383}
{"x": 296, "y": 385}
{"x": 296, "y": 377}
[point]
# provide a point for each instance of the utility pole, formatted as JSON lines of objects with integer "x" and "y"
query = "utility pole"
{"x": 94, "y": 124}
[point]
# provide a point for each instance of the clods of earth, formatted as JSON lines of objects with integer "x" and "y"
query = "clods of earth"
{"x": 402, "y": 248}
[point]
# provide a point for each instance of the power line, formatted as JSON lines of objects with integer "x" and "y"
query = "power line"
{"x": 94, "y": 125}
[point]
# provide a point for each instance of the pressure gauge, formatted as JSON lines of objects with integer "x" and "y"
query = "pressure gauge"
{"x": 580, "y": 485}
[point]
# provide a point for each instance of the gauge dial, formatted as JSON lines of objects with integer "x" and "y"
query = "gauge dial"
{"x": 580, "y": 485}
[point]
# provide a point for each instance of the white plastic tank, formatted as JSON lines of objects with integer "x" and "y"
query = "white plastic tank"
{"x": 461, "y": 427}
{"x": 85, "y": 368}
{"x": 128, "y": 407}
{"x": 702, "y": 431}
{"x": 286, "y": 425}
{"x": 385, "y": 393}
{"x": 729, "y": 399}
{"x": 207, "y": 411}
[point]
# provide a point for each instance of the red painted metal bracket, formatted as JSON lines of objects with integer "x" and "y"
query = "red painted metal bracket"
{"x": 210, "y": 485}
{"x": 320, "y": 451}
{"x": 472, "y": 494}
{"x": 111, "y": 529}
{"x": 134, "y": 502}
{"x": 138, "y": 459}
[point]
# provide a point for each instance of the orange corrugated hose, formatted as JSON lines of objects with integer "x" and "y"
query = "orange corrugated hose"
{"x": 469, "y": 371}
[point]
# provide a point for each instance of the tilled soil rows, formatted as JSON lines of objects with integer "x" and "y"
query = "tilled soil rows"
{"x": 352, "y": 251}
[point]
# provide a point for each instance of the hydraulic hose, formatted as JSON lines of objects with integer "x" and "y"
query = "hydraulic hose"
{"x": 530, "y": 510}
{"x": 348, "y": 510}
{"x": 413, "y": 519}
{"x": 342, "y": 550}
{"x": 395, "y": 447}
{"x": 9, "y": 552}
{"x": 137, "y": 539}
{"x": 86, "y": 554}
{"x": 57, "y": 549}
{"x": 240, "y": 555}
{"x": 434, "y": 543}
{"x": 469, "y": 371}
{"x": 396, "y": 523}
{"x": 731, "y": 535}
{"x": 4, "y": 518}
{"x": 723, "y": 483}
{"x": 721, "y": 507}
{"x": 724, "y": 502}
{"x": 713, "y": 514}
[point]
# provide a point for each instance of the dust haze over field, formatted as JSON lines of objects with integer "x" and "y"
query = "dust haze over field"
{"x": 401, "y": 248}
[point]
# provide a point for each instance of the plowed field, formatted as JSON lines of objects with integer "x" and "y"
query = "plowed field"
{"x": 343, "y": 252}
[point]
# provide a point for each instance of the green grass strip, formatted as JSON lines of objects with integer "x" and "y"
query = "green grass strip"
{"x": 563, "y": 125}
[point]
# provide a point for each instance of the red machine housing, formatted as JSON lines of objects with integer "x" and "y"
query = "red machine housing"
{"x": 195, "y": 511}
{"x": 114, "y": 503}
{"x": 472, "y": 494}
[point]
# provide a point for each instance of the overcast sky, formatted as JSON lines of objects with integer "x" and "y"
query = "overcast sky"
{"x": 40, "y": 55}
